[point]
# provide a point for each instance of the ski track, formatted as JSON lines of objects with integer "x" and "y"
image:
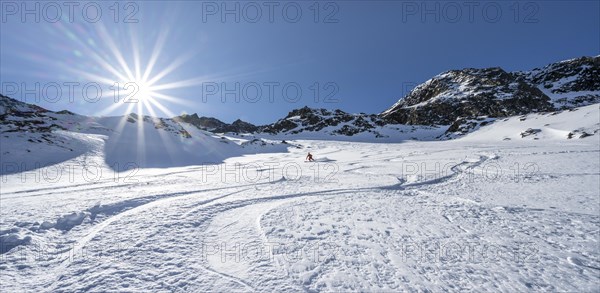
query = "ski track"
{"x": 222, "y": 202}
{"x": 163, "y": 199}
{"x": 219, "y": 208}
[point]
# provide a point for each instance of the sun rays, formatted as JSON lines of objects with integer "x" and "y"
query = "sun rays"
{"x": 138, "y": 72}
{"x": 134, "y": 80}
{"x": 131, "y": 66}
{"x": 139, "y": 69}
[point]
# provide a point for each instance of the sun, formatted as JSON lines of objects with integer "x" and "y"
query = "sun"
{"x": 134, "y": 82}
{"x": 138, "y": 76}
{"x": 143, "y": 90}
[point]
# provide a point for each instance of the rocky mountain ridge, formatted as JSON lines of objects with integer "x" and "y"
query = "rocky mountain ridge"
{"x": 462, "y": 101}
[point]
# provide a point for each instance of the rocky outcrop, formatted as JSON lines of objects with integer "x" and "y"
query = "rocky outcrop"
{"x": 467, "y": 93}
{"x": 335, "y": 122}
{"x": 571, "y": 83}
{"x": 215, "y": 125}
{"x": 458, "y": 96}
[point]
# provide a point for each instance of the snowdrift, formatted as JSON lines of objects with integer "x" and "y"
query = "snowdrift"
{"x": 578, "y": 123}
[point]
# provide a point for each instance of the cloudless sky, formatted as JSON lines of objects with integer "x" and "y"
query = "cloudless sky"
{"x": 362, "y": 56}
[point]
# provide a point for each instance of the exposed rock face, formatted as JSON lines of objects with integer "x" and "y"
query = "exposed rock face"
{"x": 570, "y": 83}
{"x": 335, "y": 122}
{"x": 456, "y": 96}
{"x": 204, "y": 123}
{"x": 238, "y": 126}
{"x": 33, "y": 123}
{"x": 464, "y": 126}
{"x": 216, "y": 125}
{"x": 16, "y": 116}
{"x": 575, "y": 75}
{"x": 20, "y": 117}
{"x": 468, "y": 93}
{"x": 465, "y": 100}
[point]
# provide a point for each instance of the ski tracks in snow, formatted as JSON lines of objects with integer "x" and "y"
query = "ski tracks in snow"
{"x": 207, "y": 213}
{"x": 193, "y": 239}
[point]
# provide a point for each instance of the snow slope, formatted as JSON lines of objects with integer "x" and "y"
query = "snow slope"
{"x": 478, "y": 213}
{"x": 34, "y": 138}
{"x": 578, "y": 123}
{"x": 151, "y": 204}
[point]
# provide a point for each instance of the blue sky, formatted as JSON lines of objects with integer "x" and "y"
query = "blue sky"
{"x": 358, "y": 56}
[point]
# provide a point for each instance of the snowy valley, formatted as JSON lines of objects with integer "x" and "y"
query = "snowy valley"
{"x": 477, "y": 180}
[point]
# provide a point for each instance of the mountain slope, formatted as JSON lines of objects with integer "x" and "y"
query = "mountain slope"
{"x": 467, "y": 93}
{"x": 570, "y": 83}
{"x": 215, "y": 125}
{"x": 449, "y": 105}
{"x": 457, "y": 102}
{"x": 308, "y": 123}
{"x": 578, "y": 123}
{"x": 33, "y": 137}
{"x": 307, "y": 119}
{"x": 493, "y": 92}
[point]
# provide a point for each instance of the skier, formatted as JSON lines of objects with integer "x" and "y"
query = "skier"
{"x": 309, "y": 157}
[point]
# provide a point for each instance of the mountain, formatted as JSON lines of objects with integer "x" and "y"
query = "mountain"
{"x": 26, "y": 129}
{"x": 238, "y": 126}
{"x": 467, "y": 93}
{"x": 450, "y": 105}
{"x": 204, "y": 123}
{"x": 313, "y": 120}
{"x": 456, "y": 95}
{"x": 460, "y": 101}
{"x": 34, "y": 137}
{"x": 570, "y": 83}
{"x": 215, "y": 125}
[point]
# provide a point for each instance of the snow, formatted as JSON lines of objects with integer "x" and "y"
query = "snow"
{"x": 553, "y": 126}
{"x": 386, "y": 133}
{"x": 121, "y": 143}
{"x": 459, "y": 87}
{"x": 566, "y": 99}
{"x": 479, "y": 213}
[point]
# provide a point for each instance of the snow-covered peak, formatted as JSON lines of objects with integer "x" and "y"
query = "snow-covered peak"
{"x": 493, "y": 92}
{"x": 459, "y": 84}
